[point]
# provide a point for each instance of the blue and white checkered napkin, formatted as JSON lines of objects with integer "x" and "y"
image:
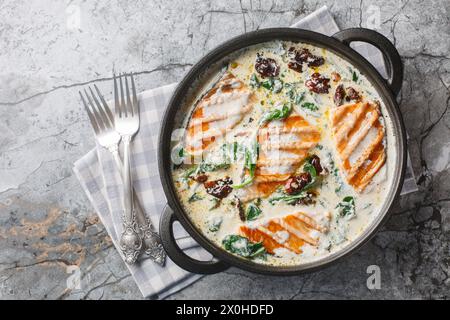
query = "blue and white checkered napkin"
{"x": 100, "y": 179}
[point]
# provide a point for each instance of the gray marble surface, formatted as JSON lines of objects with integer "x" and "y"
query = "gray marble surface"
{"x": 49, "y": 233}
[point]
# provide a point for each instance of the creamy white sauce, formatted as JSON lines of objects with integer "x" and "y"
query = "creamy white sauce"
{"x": 341, "y": 230}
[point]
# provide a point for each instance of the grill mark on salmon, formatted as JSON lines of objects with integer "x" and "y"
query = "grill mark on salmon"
{"x": 357, "y": 126}
{"x": 290, "y": 232}
{"x": 284, "y": 144}
{"x": 219, "y": 110}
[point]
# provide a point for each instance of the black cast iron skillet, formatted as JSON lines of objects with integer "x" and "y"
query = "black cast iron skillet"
{"x": 339, "y": 44}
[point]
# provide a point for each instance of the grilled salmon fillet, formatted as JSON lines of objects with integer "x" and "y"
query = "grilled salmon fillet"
{"x": 359, "y": 139}
{"x": 283, "y": 145}
{"x": 290, "y": 232}
{"x": 218, "y": 110}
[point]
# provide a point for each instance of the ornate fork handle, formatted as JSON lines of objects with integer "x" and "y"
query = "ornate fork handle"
{"x": 130, "y": 241}
{"x": 151, "y": 240}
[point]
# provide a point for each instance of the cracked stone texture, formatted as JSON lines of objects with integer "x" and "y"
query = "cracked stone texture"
{"x": 48, "y": 228}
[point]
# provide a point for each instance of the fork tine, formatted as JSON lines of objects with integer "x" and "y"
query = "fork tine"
{"x": 135, "y": 100}
{"x": 89, "y": 113}
{"x": 129, "y": 105}
{"x": 100, "y": 110}
{"x": 123, "y": 108}
{"x": 95, "y": 111}
{"x": 117, "y": 110}
{"x": 105, "y": 105}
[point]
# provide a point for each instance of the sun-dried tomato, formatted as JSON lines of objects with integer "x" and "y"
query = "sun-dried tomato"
{"x": 352, "y": 94}
{"x": 318, "y": 83}
{"x": 339, "y": 95}
{"x": 298, "y": 57}
{"x": 297, "y": 183}
{"x": 266, "y": 67}
{"x": 219, "y": 188}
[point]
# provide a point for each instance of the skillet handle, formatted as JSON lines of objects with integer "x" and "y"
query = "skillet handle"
{"x": 391, "y": 56}
{"x": 177, "y": 255}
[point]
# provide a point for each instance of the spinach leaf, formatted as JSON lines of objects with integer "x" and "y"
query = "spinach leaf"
{"x": 267, "y": 84}
{"x": 347, "y": 207}
{"x": 289, "y": 199}
{"x": 252, "y": 212}
{"x": 254, "y": 82}
{"x": 194, "y": 197}
{"x": 242, "y": 246}
{"x": 308, "y": 167}
{"x": 215, "y": 203}
{"x": 181, "y": 153}
{"x": 354, "y": 76}
{"x": 205, "y": 167}
{"x": 250, "y": 158}
{"x": 279, "y": 112}
{"x": 214, "y": 224}
{"x": 315, "y": 178}
{"x": 272, "y": 84}
{"x": 210, "y": 167}
{"x": 277, "y": 86}
{"x": 310, "y": 106}
{"x": 235, "y": 150}
{"x": 292, "y": 93}
{"x": 189, "y": 172}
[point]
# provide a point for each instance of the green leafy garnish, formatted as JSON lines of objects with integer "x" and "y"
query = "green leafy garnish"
{"x": 346, "y": 207}
{"x": 254, "y": 82}
{"x": 267, "y": 84}
{"x": 292, "y": 93}
{"x": 308, "y": 167}
{"x": 310, "y": 106}
{"x": 252, "y": 212}
{"x": 274, "y": 85}
{"x": 354, "y": 76}
{"x": 235, "y": 150}
{"x": 288, "y": 198}
{"x": 194, "y": 197}
{"x": 250, "y": 158}
{"x": 279, "y": 112}
{"x": 216, "y": 203}
{"x": 205, "y": 167}
{"x": 277, "y": 86}
{"x": 242, "y": 246}
{"x": 315, "y": 178}
{"x": 214, "y": 224}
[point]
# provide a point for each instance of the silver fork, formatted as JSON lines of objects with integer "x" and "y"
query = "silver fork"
{"x": 126, "y": 115}
{"x": 102, "y": 121}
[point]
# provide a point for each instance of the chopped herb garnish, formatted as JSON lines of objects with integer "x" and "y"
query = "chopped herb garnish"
{"x": 214, "y": 224}
{"x": 294, "y": 96}
{"x": 277, "y": 86}
{"x": 347, "y": 207}
{"x": 254, "y": 82}
{"x": 194, "y": 197}
{"x": 310, "y": 106}
{"x": 354, "y": 76}
{"x": 242, "y": 246}
{"x": 279, "y": 112}
{"x": 267, "y": 84}
{"x": 215, "y": 203}
{"x": 235, "y": 150}
{"x": 288, "y": 198}
{"x": 250, "y": 158}
{"x": 252, "y": 212}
